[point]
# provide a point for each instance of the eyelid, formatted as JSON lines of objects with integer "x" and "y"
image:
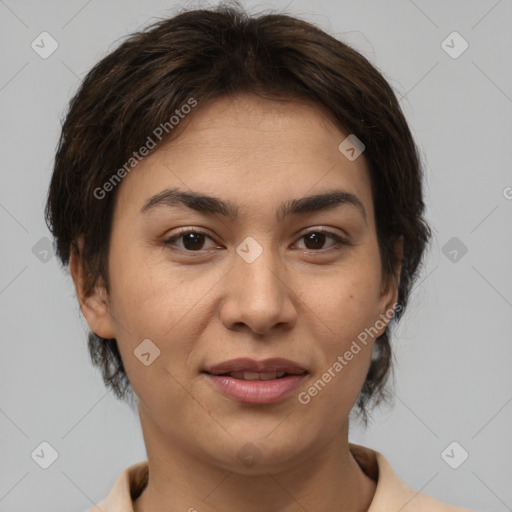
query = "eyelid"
{"x": 328, "y": 231}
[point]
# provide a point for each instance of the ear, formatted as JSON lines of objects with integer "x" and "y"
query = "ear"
{"x": 95, "y": 304}
{"x": 389, "y": 291}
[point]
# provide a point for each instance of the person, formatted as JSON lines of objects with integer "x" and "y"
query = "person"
{"x": 239, "y": 201}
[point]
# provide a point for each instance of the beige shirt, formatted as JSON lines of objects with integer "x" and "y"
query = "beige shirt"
{"x": 391, "y": 495}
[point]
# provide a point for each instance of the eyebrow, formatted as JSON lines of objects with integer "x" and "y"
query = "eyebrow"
{"x": 212, "y": 205}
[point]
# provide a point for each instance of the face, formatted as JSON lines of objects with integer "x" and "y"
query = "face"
{"x": 225, "y": 285}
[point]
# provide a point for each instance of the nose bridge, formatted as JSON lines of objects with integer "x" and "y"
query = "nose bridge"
{"x": 257, "y": 295}
{"x": 260, "y": 277}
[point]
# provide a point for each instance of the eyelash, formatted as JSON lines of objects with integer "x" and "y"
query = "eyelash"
{"x": 340, "y": 241}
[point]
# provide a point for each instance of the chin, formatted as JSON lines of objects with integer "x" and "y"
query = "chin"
{"x": 257, "y": 452}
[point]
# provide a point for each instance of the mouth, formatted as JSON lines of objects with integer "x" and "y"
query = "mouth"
{"x": 248, "y": 366}
{"x": 253, "y": 375}
{"x": 256, "y": 382}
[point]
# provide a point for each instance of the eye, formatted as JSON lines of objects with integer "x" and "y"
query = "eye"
{"x": 315, "y": 239}
{"x": 193, "y": 240}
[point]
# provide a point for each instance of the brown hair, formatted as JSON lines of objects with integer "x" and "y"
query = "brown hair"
{"x": 205, "y": 54}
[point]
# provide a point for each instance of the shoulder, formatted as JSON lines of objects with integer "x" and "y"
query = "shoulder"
{"x": 127, "y": 487}
{"x": 393, "y": 494}
{"x": 423, "y": 503}
{"x": 99, "y": 507}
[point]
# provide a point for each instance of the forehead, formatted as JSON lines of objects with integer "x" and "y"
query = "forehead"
{"x": 248, "y": 124}
{"x": 250, "y": 150}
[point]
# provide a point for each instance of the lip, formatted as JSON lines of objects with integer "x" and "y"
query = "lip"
{"x": 256, "y": 391}
{"x": 246, "y": 364}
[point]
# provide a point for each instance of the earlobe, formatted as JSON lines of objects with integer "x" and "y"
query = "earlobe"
{"x": 94, "y": 303}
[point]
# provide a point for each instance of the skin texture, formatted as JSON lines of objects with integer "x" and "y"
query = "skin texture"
{"x": 300, "y": 299}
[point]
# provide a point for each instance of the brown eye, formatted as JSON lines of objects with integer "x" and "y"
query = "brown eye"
{"x": 315, "y": 240}
{"x": 192, "y": 241}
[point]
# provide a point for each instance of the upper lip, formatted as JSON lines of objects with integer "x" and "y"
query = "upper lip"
{"x": 246, "y": 364}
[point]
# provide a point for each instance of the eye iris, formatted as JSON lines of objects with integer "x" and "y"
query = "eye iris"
{"x": 318, "y": 240}
{"x": 196, "y": 239}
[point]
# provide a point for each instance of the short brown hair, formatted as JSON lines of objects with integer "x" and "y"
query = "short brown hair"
{"x": 206, "y": 54}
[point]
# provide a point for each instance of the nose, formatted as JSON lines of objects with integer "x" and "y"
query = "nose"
{"x": 258, "y": 296}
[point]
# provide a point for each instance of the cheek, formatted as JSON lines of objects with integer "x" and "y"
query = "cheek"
{"x": 159, "y": 302}
{"x": 148, "y": 305}
{"x": 142, "y": 290}
{"x": 344, "y": 345}
{"x": 346, "y": 308}
{"x": 345, "y": 303}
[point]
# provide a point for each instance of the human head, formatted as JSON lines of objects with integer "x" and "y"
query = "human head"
{"x": 208, "y": 54}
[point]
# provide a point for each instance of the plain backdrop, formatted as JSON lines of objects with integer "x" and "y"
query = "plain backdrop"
{"x": 453, "y": 347}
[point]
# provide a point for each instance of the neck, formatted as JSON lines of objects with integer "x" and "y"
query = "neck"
{"x": 326, "y": 480}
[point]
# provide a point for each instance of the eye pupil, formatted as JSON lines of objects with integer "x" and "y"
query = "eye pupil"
{"x": 194, "y": 238}
{"x": 318, "y": 240}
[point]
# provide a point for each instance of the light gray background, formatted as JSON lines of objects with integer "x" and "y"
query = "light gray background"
{"x": 453, "y": 347}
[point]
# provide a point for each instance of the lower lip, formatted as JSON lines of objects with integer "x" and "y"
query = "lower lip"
{"x": 256, "y": 391}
